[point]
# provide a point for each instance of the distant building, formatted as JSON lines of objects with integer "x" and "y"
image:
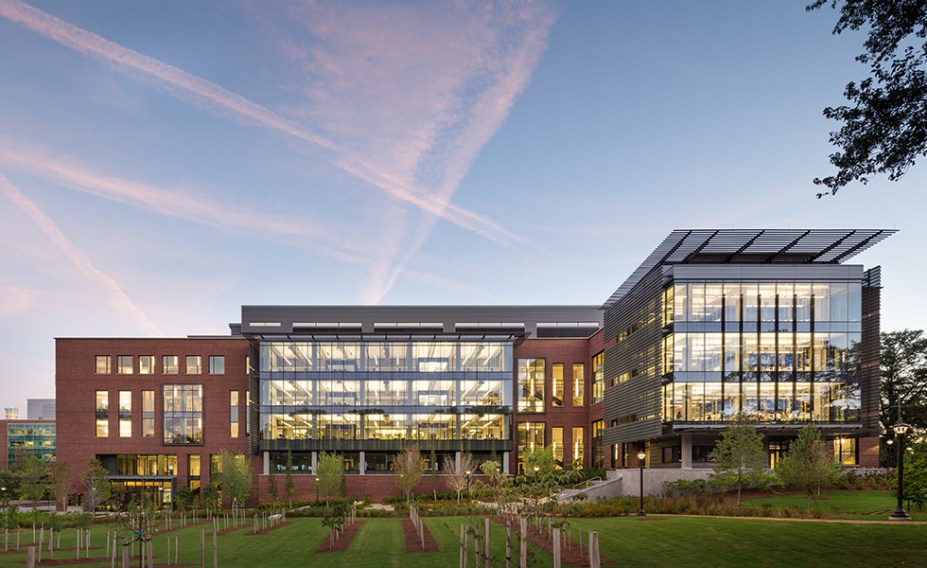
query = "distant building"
{"x": 40, "y": 409}
{"x": 22, "y": 438}
{"x": 11, "y": 414}
{"x": 715, "y": 323}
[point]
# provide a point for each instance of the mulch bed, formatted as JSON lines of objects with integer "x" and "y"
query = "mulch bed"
{"x": 413, "y": 543}
{"x": 343, "y": 543}
{"x": 569, "y": 555}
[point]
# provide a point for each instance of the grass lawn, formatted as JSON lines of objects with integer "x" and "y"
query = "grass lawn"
{"x": 632, "y": 541}
{"x": 848, "y": 504}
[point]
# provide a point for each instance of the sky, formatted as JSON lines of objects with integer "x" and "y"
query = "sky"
{"x": 164, "y": 163}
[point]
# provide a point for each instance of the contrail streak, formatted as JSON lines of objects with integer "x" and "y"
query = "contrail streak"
{"x": 212, "y": 96}
{"x": 116, "y": 295}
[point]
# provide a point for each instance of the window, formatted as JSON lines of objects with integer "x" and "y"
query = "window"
{"x": 598, "y": 377}
{"x": 233, "y": 411}
{"x": 146, "y": 364}
{"x": 183, "y": 414}
{"x": 169, "y": 364}
{"x": 530, "y": 438}
{"x": 194, "y": 365}
{"x": 556, "y": 384}
{"x": 598, "y": 452}
{"x": 216, "y": 364}
{"x": 556, "y": 442}
{"x": 672, "y": 454}
{"x": 578, "y": 448}
{"x": 193, "y": 465}
{"x": 845, "y": 451}
{"x": 125, "y": 414}
{"x": 148, "y": 416}
{"x": 124, "y": 365}
{"x": 102, "y": 414}
{"x": 103, "y": 367}
{"x": 531, "y": 385}
{"x": 579, "y": 384}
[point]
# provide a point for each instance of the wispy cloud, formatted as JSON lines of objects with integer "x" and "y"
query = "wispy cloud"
{"x": 416, "y": 92}
{"x": 182, "y": 204}
{"x": 212, "y": 97}
{"x": 15, "y": 299}
{"x": 114, "y": 292}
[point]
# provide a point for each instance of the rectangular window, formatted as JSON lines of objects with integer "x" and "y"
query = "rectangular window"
{"x": 531, "y": 385}
{"x": 556, "y": 384}
{"x": 124, "y": 365}
{"x": 183, "y": 414}
{"x": 578, "y": 447}
{"x": 598, "y": 454}
{"x": 579, "y": 384}
{"x": 148, "y": 415}
{"x": 194, "y": 365}
{"x": 672, "y": 454}
{"x": 598, "y": 377}
{"x": 556, "y": 442}
{"x": 530, "y": 438}
{"x": 102, "y": 414}
{"x": 103, "y": 362}
{"x": 216, "y": 364}
{"x": 193, "y": 465}
{"x": 125, "y": 414}
{"x": 146, "y": 364}
{"x": 233, "y": 411}
{"x": 170, "y": 364}
{"x": 845, "y": 451}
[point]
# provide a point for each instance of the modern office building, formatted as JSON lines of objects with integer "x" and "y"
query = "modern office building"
{"x": 23, "y": 438}
{"x": 40, "y": 409}
{"x": 769, "y": 323}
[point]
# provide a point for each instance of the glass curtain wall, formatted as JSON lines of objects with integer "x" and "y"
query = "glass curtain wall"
{"x": 386, "y": 390}
{"x": 776, "y": 351}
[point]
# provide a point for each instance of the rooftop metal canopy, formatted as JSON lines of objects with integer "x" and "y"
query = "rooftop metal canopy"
{"x": 754, "y": 246}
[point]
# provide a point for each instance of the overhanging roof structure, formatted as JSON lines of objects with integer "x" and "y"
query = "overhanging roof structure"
{"x": 754, "y": 246}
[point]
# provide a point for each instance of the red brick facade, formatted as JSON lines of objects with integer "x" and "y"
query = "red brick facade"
{"x": 77, "y": 382}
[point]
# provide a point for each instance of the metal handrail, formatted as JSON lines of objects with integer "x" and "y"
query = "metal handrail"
{"x": 587, "y": 483}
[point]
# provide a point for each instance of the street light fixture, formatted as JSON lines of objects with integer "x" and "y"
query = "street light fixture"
{"x": 640, "y": 460}
{"x": 900, "y": 430}
{"x": 317, "y": 489}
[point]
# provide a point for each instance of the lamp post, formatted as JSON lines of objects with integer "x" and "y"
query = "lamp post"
{"x": 640, "y": 460}
{"x": 468, "y": 485}
{"x": 900, "y": 430}
{"x": 317, "y": 489}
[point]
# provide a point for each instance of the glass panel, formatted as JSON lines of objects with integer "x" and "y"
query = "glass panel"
{"x": 578, "y": 447}
{"x": 556, "y": 384}
{"x": 216, "y": 365}
{"x": 556, "y": 441}
{"x": 102, "y": 414}
{"x": 125, "y": 414}
{"x": 579, "y": 384}
{"x": 194, "y": 365}
{"x": 169, "y": 364}
{"x": 125, "y": 364}
{"x": 102, "y": 364}
{"x": 531, "y": 385}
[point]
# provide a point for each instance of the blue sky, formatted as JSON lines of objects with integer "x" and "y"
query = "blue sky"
{"x": 163, "y": 163}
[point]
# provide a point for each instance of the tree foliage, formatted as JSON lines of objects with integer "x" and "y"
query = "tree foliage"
{"x": 59, "y": 473}
{"x": 97, "y": 484}
{"x": 915, "y": 475}
{"x": 273, "y": 491}
{"x": 903, "y": 363}
{"x": 409, "y": 470}
{"x": 740, "y": 456}
{"x": 808, "y": 465}
{"x": 234, "y": 476}
{"x": 330, "y": 471}
{"x": 884, "y": 128}
{"x": 182, "y": 498}
{"x": 33, "y": 477}
{"x": 458, "y": 472}
{"x": 288, "y": 484}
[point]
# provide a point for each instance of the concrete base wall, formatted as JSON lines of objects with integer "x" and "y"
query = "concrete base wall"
{"x": 654, "y": 478}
